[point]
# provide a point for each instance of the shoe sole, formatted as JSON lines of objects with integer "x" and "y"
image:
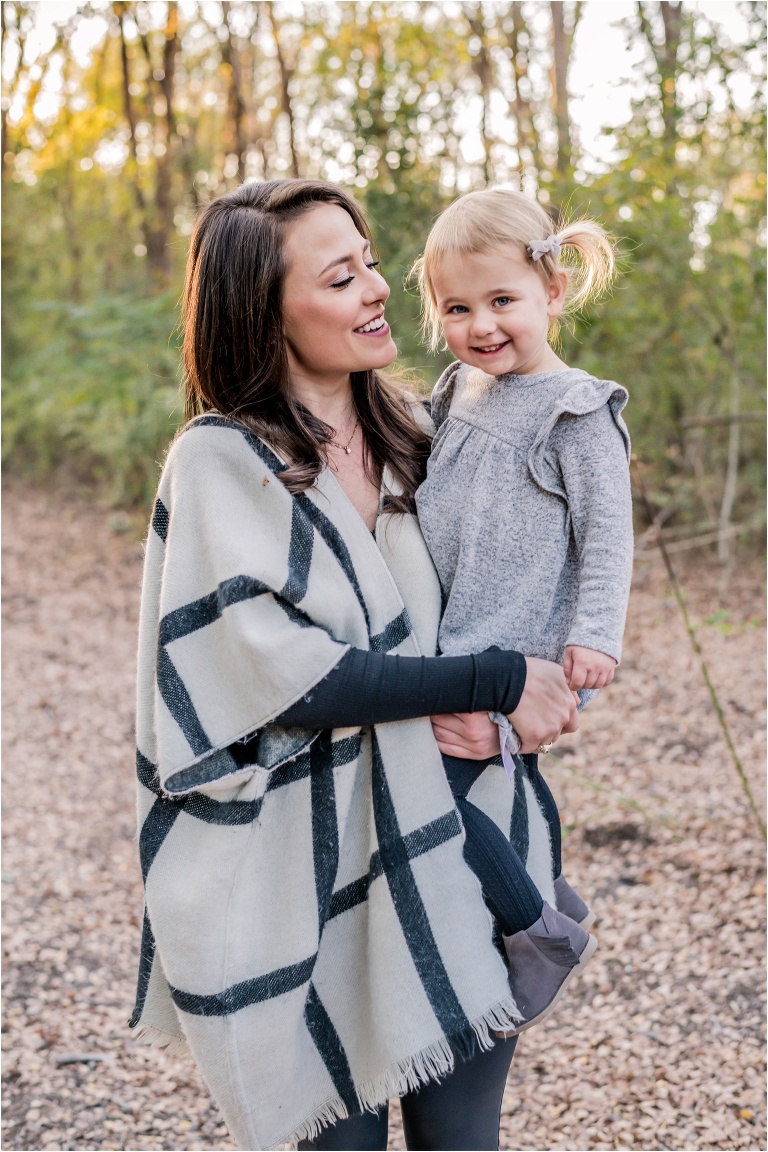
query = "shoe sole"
{"x": 589, "y": 951}
{"x": 588, "y": 920}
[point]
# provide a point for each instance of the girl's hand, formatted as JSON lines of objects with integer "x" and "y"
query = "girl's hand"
{"x": 470, "y": 735}
{"x": 586, "y": 668}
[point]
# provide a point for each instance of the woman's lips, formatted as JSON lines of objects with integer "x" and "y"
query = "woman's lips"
{"x": 382, "y": 331}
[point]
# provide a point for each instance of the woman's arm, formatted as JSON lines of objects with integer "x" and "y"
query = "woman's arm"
{"x": 546, "y": 708}
{"x": 375, "y": 688}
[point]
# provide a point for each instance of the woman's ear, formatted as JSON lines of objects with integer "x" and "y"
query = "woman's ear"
{"x": 558, "y": 286}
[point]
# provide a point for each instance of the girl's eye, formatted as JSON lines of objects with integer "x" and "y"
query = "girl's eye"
{"x": 502, "y": 301}
{"x": 457, "y": 309}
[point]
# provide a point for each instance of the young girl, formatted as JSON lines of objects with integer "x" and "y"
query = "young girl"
{"x": 527, "y": 513}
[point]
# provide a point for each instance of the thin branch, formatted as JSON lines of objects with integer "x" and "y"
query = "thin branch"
{"x": 678, "y": 591}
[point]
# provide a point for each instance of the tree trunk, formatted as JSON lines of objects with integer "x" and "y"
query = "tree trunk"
{"x": 562, "y": 43}
{"x": 160, "y": 264}
{"x": 482, "y": 67}
{"x": 157, "y": 220}
{"x": 731, "y": 471}
{"x": 527, "y": 136}
{"x": 237, "y": 110}
{"x": 665, "y": 54}
{"x": 286, "y": 74}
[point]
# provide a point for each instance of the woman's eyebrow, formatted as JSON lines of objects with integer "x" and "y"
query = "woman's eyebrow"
{"x": 342, "y": 260}
{"x": 333, "y": 263}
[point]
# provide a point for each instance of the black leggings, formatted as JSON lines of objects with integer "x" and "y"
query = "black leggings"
{"x": 462, "y": 1111}
{"x": 509, "y": 892}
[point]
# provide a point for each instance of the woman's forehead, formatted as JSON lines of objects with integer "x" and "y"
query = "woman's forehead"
{"x": 322, "y": 235}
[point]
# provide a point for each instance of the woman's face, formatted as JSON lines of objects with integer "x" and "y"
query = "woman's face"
{"x": 333, "y": 300}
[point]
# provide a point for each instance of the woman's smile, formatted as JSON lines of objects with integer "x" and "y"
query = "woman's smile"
{"x": 376, "y": 327}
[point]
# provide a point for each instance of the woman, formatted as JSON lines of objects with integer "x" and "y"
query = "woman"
{"x": 311, "y": 930}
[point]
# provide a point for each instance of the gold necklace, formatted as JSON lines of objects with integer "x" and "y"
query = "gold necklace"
{"x": 346, "y": 447}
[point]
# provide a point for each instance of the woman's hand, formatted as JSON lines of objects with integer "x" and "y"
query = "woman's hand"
{"x": 470, "y": 735}
{"x": 547, "y": 706}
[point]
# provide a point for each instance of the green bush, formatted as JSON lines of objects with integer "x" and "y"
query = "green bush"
{"x": 97, "y": 391}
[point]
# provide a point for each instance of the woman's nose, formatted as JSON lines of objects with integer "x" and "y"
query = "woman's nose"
{"x": 376, "y": 288}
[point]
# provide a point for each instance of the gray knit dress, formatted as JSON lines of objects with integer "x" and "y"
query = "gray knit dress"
{"x": 527, "y": 512}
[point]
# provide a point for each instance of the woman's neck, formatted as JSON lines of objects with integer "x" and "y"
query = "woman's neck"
{"x": 331, "y": 401}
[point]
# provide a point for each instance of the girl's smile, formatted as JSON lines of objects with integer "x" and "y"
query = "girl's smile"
{"x": 495, "y": 310}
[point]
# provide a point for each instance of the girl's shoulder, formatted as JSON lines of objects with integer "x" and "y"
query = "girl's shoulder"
{"x": 445, "y": 389}
{"x": 583, "y": 393}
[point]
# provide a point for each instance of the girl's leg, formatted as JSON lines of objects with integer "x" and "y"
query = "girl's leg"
{"x": 357, "y": 1133}
{"x": 464, "y": 1109}
{"x": 545, "y": 948}
{"x": 509, "y": 892}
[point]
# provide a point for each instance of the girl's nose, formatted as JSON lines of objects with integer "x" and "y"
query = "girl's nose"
{"x": 482, "y": 323}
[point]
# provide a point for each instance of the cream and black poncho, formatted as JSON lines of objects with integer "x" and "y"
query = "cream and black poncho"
{"x": 311, "y": 930}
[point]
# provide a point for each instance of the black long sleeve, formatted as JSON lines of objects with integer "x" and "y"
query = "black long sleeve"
{"x": 375, "y": 688}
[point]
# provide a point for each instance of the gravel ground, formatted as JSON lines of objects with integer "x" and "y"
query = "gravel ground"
{"x": 660, "y": 1045}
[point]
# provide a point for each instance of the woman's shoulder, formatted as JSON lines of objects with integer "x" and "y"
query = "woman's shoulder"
{"x": 212, "y": 434}
{"x": 214, "y": 445}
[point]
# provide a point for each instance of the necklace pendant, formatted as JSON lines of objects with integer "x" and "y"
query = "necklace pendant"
{"x": 348, "y": 451}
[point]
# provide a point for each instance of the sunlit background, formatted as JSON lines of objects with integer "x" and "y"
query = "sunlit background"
{"x": 120, "y": 119}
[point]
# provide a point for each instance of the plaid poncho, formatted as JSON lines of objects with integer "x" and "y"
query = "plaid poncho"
{"x": 311, "y": 930}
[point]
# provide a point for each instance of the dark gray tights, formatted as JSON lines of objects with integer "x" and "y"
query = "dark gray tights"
{"x": 462, "y": 1111}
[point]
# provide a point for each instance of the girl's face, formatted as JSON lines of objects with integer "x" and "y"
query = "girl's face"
{"x": 495, "y": 311}
{"x": 333, "y": 300}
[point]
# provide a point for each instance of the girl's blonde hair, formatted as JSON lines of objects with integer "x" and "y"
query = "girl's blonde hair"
{"x": 481, "y": 221}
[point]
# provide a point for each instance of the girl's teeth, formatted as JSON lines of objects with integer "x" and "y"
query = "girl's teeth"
{"x": 373, "y": 325}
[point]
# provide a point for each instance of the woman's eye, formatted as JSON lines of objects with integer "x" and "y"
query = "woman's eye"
{"x": 342, "y": 283}
{"x": 373, "y": 264}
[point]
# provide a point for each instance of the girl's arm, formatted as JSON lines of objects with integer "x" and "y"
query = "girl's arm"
{"x": 593, "y": 462}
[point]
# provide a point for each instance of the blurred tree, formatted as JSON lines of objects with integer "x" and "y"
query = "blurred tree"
{"x": 106, "y": 162}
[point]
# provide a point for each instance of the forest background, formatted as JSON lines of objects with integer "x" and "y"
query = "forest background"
{"x": 107, "y": 157}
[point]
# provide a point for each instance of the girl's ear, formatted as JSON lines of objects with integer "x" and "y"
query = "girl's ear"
{"x": 558, "y": 286}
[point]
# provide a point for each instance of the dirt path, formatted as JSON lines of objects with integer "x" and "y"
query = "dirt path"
{"x": 659, "y": 1047}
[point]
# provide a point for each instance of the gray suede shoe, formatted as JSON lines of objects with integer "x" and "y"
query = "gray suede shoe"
{"x": 568, "y": 901}
{"x": 542, "y": 960}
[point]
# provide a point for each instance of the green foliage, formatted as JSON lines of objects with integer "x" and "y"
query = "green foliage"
{"x": 98, "y": 392}
{"x": 100, "y": 195}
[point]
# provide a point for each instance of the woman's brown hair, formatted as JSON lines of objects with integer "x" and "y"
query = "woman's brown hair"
{"x": 234, "y": 353}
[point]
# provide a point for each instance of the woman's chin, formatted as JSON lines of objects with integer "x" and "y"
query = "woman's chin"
{"x": 380, "y": 357}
